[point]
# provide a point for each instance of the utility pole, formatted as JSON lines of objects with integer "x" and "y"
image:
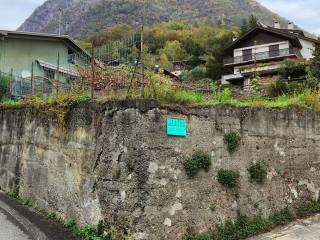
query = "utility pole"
{"x": 60, "y": 18}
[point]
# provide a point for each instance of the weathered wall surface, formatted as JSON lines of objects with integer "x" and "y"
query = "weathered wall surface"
{"x": 115, "y": 162}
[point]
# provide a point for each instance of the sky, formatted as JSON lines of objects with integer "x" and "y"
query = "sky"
{"x": 14, "y": 12}
{"x": 304, "y": 13}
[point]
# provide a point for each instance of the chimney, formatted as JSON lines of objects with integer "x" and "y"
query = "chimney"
{"x": 276, "y": 24}
{"x": 291, "y": 26}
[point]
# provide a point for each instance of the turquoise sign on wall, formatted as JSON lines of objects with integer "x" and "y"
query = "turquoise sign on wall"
{"x": 176, "y": 127}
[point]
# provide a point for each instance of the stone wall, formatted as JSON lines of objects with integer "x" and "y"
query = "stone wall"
{"x": 114, "y": 161}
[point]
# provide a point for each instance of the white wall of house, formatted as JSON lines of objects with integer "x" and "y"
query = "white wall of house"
{"x": 307, "y": 48}
{"x": 260, "y": 48}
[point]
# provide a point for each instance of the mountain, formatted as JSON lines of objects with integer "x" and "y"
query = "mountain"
{"x": 82, "y": 18}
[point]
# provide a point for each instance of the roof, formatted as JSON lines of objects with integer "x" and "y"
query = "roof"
{"x": 293, "y": 35}
{"x": 45, "y": 36}
{"x": 55, "y": 67}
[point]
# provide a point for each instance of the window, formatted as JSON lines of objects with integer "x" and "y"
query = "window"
{"x": 49, "y": 73}
{"x": 72, "y": 58}
{"x": 274, "y": 51}
{"x": 247, "y": 55}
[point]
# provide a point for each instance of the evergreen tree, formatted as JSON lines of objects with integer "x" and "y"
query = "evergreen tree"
{"x": 253, "y": 22}
{"x": 313, "y": 78}
{"x": 249, "y": 24}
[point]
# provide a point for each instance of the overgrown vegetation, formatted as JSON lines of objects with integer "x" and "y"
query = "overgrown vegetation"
{"x": 4, "y": 86}
{"x": 258, "y": 171}
{"x": 292, "y": 69}
{"x": 228, "y": 178}
{"x": 198, "y": 161}
{"x": 309, "y": 208}
{"x": 58, "y": 104}
{"x": 244, "y": 227}
{"x": 232, "y": 139}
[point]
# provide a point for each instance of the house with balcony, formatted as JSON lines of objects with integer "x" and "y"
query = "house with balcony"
{"x": 263, "y": 50}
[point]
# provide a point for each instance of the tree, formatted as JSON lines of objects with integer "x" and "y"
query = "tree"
{"x": 244, "y": 26}
{"x": 194, "y": 50}
{"x": 253, "y": 22}
{"x": 248, "y": 24}
{"x": 313, "y": 78}
{"x": 174, "y": 51}
{"x": 215, "y": 67}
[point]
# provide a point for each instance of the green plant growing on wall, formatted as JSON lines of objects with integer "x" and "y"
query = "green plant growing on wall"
{"x": 258, "y": 171}
{"x": 228, "y": 178}
{"x": 232, "y": 139}
{"x": 198, "y": 161}
{"x": 309, "y": 208}
{"x": 244, "y": 227}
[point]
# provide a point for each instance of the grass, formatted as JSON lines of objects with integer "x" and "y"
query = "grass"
{"x": 58, "y": 104}
{"x": 309, "y": 208}
{"x": 244, "y": 227}
{"x": 167, "y": 94}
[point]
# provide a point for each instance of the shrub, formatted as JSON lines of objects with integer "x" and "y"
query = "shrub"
{"x": 258, "y": 171}
{"x": 295, "y": 88}
{"x": 69, "y": 223}
{"x": 4, "y": 86}
{"x": 224, "y": 95}
{"x": 198, "y": 161}
{"x": 232, "y": 139}
{"x": 293, "y": 69}
{"x": 309, "y": 208}
{"x": 277, "y": 88}
{"x": 195, "y": 74}
{"x": 228, "y": 178}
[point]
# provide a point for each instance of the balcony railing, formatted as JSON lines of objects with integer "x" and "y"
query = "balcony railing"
{"x": 261, "y": 56}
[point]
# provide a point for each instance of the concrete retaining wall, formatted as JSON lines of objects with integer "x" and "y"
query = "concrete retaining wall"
{"x": 114, "y": 161}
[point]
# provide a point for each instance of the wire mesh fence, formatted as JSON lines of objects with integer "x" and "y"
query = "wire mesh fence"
{"x": 13, "y": 86}
{"x": 112, "y": 66}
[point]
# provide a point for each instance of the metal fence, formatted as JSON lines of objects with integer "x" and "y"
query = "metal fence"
{"x": 13, "y": 86}
{"x": 115, "y": 65}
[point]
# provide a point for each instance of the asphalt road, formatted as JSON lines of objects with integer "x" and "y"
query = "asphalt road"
{"x": 20, "y": 223}
{"x": 10, "y": 230}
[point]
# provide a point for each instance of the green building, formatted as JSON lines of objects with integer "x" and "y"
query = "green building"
{"x": 35, "y": 60}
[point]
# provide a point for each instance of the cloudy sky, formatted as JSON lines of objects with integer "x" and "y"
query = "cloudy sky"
{"x": 305, "y": 13}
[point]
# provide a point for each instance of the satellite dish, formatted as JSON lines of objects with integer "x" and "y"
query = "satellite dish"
{"x": 25, "y": 74}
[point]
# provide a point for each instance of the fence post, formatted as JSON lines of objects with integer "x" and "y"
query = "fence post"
{"x": 10, "y": 83}
{"x": 58, "y": 68}
{"x": 93, "y": 72}
{"x": 142, "y": 62}
{"x": 31, "y": 83}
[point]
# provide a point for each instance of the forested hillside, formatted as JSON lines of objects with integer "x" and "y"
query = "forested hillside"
{"x": 83, "y": 18}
